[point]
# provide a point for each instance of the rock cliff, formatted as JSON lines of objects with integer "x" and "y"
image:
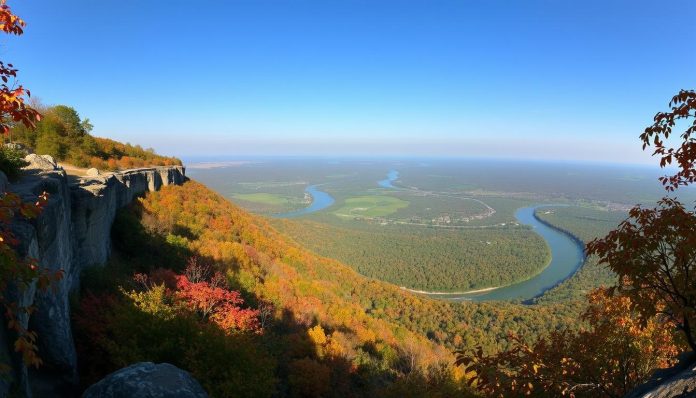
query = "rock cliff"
{"x": 676, "y": 382}
{"x": 72, "y": 232}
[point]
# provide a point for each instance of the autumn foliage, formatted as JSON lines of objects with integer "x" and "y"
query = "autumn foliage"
{"x": 631, "y": 326}
{"x": 12, "y": 106}
{"x": 206, "y": 297}
{"x": 113, "y": 155}
{"x": 612, "y": 355}
{"x": 654, "y": 254}
{"x": 654, "y": 250}
{"x": 201, "y": 326}
{"x": 16, "y": 272}
{"x": 683, "y": 109}
{"x": 302, "y": 317}
{"x": 66, "y": 136}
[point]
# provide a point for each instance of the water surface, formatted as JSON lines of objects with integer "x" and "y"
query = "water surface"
{"x": 320, "y": 201}
{"x": 567, "y": 255}
{"x": 392, "y": 176}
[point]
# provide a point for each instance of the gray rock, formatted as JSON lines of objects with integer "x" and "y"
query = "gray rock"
{"x": 36, "y": 162}
{"x": 50, "y": 159}
{"x": 16, "y": 146}
{"x": 51, "y": 235}
{"x": 96, "y": 201}
{"x": 72, "y": 232}
{"x": 147, "y": 380}
{"x": 92, "y": 172}
{"x": 4, "y": 182}
{"x": 679, "y": 381}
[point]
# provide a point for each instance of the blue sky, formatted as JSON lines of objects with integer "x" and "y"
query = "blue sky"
{"x": 533, "y": 79}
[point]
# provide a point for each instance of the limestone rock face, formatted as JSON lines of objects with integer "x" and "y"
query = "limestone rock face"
{"x": 96, "y": 200}
{"x": 147, "y": 380}
{"x": 51, "y": 234}
{"x": 41, "y": 162}
{"x": 72, "y": 232}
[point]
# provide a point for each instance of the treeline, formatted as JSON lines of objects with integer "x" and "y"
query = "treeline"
{"x": 583, "y": 222}
{"x": 62, "y": 134}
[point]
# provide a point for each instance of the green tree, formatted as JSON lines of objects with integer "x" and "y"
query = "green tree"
{"x": 70, "y": 119}
{"x": 48, "y": 141}
{"x": 61, "y": 134}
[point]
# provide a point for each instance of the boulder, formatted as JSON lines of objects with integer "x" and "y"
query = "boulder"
{"x": 147, "y": 380}
{"x": 50, "y": 159}
{"x": 92, "y": 172}
{"x": 44, "y": 162}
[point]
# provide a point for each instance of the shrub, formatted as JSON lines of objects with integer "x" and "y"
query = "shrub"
{"x": 11, "y": 162}
{"x": 113, "y": 332}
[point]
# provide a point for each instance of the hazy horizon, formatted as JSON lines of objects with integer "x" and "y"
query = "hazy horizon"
{"x": 190, "y": 160}
{"x": 539, "y": 80}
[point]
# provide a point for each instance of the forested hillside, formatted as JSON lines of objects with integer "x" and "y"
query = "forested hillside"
{"x": 368, "y": 123}
{"x": 353, "y": 335}
{"x": 427, "y": 258}
{"x": 62, "y": 134}
{"x": 315, "y": 335}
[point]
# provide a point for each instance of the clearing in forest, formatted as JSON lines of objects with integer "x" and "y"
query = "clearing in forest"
{"x": 370, "y": 206}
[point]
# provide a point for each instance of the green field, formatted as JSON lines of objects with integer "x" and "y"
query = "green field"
{"x": 264, "y": 198}
{"x": 370, "y": 206}
{"x": 267, "y": 202}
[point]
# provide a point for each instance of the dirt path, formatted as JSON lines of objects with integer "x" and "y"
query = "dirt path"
{"x": 73, "y": 170}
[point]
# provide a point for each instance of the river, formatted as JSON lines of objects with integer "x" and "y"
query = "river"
{"x": 320, "y": 201}
{"x": 567, "y": 254}
{"x": 392, "y": 176}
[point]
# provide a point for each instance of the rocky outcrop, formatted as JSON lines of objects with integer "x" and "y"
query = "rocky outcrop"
{"x": 676, "y": 382}
{"x": 96, "y": 199}
{"x": 41, "y": 162}
{"x": 147, "y": 380}
{"x": 73, "y": 232}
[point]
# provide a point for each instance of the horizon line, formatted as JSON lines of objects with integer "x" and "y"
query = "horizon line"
{"x": 195, "y": 159}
